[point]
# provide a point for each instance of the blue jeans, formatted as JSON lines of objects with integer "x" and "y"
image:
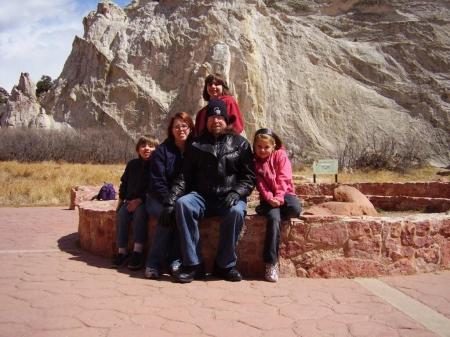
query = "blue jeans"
{"x": 139, "y": 221}
{"x": 290, "y": 208}
{"x": 190, "y": 209}
{"x": 165, "y": 247}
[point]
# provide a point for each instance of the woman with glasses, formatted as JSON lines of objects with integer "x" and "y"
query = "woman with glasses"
{"x": 166, "y": 165}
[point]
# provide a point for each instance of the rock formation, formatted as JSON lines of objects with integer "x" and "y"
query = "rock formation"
{"x": 321, "y": 73}
{"x": 22, "y": 108}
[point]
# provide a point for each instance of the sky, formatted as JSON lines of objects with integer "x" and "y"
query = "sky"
{"x": 36, "y": 36}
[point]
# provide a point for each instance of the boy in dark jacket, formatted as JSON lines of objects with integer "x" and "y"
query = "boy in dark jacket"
{"x": 131, "y": 207}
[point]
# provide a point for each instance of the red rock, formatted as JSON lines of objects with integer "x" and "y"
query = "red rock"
{"x": 430, "y": 255}
{"x": 407, "y": 251}
{"x": 367, "y": 248}
{"x": 347, "y": 267}
{"x": 78, "y": 194}
{"x": 393, "y": 249}
{"x": 301, "y": 272}
{"x": 396, "y": 229}
{"x": 287, "y": 268}
{"x": 445, "y": 228}
{"x": 445, "y": 254}
{"x": 358, "y": 229}
{"x": 407, "y": 235}
{"x": 421, "y": 241}
{"x": 352, "y": 195}
{"x": 423, "y": 227}
{"x": 401, "y": 267}
{"x": 328, "y": 235}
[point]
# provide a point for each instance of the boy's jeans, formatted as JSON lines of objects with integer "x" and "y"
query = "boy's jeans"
{"x": 190, "y": 209}
{"x": 139, "y": 220}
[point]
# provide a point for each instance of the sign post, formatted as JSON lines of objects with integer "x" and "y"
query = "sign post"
{"x": 325, "y": 166}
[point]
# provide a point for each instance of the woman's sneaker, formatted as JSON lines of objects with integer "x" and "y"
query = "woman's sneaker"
{"x": 271, "y": 273}
{"x": 152, "y": 273}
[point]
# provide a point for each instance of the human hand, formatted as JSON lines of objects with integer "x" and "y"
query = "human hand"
{"x": 166, "y": 217}
{"x": 133, "y": 204}
{"x": 274, "y": 202}
{"x": 230, "y": 200}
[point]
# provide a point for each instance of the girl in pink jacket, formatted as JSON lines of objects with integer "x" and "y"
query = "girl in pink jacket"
{"x": 277, "y": 194}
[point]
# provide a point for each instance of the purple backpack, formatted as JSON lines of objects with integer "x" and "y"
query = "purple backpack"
{"x": 107, "y": 192}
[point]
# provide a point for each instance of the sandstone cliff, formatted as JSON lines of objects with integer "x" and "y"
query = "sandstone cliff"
{"x": 318, "y": 72}
{"x": 22, "y": 108}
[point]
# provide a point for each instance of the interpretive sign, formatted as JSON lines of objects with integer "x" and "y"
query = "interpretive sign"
{"x": 325, "y": 166}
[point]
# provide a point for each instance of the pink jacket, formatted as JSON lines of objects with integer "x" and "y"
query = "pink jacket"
{"x": 232, "y": 110}
{"x": 274, "y": 176}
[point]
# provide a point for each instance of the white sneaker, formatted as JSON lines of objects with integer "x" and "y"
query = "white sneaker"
{"x": 271, "y": 273}
{"x": 152, "y": 273}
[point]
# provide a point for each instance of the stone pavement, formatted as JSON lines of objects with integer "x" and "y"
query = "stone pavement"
{"x": 48, "y": 287}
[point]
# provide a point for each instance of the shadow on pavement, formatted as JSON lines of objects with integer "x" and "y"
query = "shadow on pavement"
{"x": 70, "y": 244}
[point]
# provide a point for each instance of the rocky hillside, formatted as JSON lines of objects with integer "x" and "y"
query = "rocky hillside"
{"x": 321, "y": 73}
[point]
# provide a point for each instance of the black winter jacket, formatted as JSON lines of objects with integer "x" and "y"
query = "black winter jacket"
{"x": 135, "y": 180}
{"x": 166, "y": 166}
{"x": 213, "y": 167}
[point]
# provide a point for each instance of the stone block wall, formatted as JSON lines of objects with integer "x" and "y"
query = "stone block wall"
{"x": 427, "y": 197}
{"x": 311, "y": 246}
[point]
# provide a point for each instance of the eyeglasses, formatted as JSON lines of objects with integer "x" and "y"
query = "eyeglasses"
{"x": 181, "y": 127}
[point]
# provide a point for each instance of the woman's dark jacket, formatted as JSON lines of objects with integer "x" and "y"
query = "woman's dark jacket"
{"x": 213, "y": 167}
{"x": 165, "y": 167}
{"x": 134, "y": 181}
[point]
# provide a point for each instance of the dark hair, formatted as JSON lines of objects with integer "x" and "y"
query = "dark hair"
{"x": 146, "y": 140}
{"x": 185, "y": 117}
{"x": 266, "y": 133}
{"x": 215, "y": 78}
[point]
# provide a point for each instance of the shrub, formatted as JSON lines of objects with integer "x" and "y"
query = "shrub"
{"x": 3, "y": 95}
{"x": 44, "y": 85}
{"x": 81, "y": 146}
{"x": 382, "y": 153}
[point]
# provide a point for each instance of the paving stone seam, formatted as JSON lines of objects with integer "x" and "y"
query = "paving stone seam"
{"x": 419, "y": 312}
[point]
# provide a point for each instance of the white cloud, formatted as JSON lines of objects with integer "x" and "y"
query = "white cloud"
{"x": 36, "y": 36}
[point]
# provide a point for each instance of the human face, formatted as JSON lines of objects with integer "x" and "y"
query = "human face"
{"x": 145, "y": 151}
{"x": 180, "y": 130}
{"x": 264, "y": 147}
{"x": 214, "y": 89}
{"x": 216, "y": 124}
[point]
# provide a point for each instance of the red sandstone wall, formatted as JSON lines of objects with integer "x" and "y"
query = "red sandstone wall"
{"x": 413, "y": 189}
{"x": 310, "y": 246}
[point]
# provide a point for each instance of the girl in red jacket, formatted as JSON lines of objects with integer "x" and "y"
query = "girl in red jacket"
{"x": 216, "y": 87}
{"x": 277, "y": 194}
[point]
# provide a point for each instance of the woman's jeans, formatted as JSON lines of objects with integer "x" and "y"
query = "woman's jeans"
{"x": 290, "y": 208}
{"x": 165, "y": 249}
{"x": 139, "y": 220}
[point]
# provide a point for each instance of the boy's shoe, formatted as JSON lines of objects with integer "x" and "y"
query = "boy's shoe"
{"x": 228, "y": 274}
{"x": 120, "y": 260}
{"x": 271, "y": 273}
{"x": 136, "y": 261}
{"x": 152, "y": 273}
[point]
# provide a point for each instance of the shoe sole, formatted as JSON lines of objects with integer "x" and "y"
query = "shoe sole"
{"x": 137, "y": 267}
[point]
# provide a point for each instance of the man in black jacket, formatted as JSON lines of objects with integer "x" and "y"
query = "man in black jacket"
{"x": 218, "y": 175}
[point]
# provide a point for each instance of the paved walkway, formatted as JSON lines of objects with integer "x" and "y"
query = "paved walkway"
{"x": 48, "y": 287}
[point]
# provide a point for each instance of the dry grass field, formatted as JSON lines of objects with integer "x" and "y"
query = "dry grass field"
{"x": 49, "y": 183}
